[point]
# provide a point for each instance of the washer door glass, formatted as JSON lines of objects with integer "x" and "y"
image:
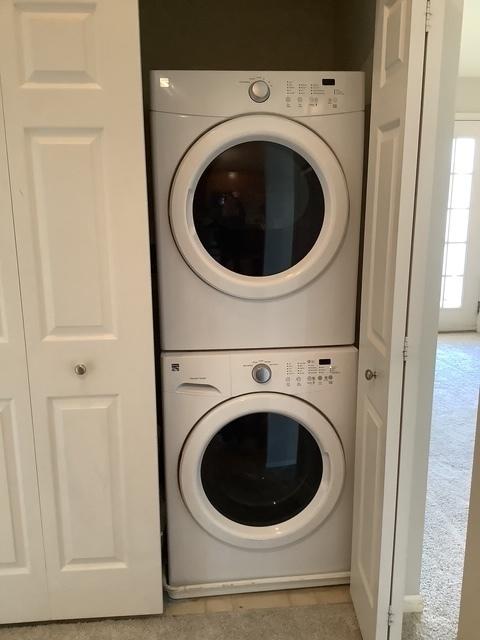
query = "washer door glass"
{"x": 261, "y": 469}
{"x": 258, "y": 208}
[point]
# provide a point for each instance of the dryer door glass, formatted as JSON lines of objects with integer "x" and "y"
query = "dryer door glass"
{"x": 258, "y": 208}
{"x": 261, "y": 469}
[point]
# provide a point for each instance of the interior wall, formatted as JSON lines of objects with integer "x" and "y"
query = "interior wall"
{"x": 272, "y": 34}
{"x": 247, "y": 34}
{"x": 468, "y": 95}
{"x": 354, "y": 35}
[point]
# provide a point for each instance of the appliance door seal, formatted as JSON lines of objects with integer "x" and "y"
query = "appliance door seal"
{"x": 316, "y": 170}
{"x": 251, "y": 488}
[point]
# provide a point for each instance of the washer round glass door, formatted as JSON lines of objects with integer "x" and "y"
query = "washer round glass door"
{"x": 261, "y": 470}
{"x": 259, "y": 206}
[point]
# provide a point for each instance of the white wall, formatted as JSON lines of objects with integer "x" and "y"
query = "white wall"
{"x": 468, "y": 94}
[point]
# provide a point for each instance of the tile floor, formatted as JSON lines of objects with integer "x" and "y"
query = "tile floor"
{"x": 264, "y": 600}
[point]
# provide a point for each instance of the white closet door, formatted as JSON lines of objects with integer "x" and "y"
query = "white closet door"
{"x": 393, "y": 149}
{"x": 23, "y": 588}
{"x": 72, "y": 95}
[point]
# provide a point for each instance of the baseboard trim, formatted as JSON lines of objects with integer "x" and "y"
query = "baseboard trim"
{"x": 413, "y": 604}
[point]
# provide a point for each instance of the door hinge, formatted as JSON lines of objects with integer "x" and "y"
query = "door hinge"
{"x": 428, "y": 16}
{"x": 391, "y": 616}
{"x": 405, "y": 349}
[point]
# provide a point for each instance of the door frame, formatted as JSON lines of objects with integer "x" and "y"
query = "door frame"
{"x": 465, "y": 317}
{"x": 438, "y": 115}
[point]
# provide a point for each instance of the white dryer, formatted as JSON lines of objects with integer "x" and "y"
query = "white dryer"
{"x": 259, "y": 451}
{"x": 258, "y": 180}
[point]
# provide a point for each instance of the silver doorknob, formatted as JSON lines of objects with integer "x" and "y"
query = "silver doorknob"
{"x": 80, "y": 369}
{"x": 370, "y": 375}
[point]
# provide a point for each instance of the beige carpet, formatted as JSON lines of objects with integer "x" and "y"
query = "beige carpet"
{"x": 457, "y": 380}
{"x": 319, "y": 622}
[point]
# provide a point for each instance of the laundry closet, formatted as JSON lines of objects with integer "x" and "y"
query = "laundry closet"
{"x": 246, "y": 220}
{"x": 256, "y": 183}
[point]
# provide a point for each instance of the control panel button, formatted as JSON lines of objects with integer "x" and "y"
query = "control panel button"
{"x": 259, "y": 91}
{"x": 261, "y": 373}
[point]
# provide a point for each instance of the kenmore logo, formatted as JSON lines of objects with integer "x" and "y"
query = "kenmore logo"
{"x": 175, "y": 366}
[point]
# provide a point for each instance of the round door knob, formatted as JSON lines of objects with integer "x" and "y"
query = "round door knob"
{"x": 261, "y": 373}
{"x": 370, "y": 375}
{"x": 259, "y": 91}
{"x": 80, "y": 369}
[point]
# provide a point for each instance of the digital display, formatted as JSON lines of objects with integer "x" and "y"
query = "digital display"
{"x": 325, "y": 361}
{"x": 328, "y": 81}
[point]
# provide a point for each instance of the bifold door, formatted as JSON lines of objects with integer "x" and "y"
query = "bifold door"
{"x": 23, "y": 588}
{"x": 74, "y": 125}
{"x": 393, "y": 150}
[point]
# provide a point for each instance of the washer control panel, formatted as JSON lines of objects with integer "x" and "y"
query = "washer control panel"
{"x": 326, "y": 370}
{"x": 311, "y": 372}
{"x": 291, "y": 371}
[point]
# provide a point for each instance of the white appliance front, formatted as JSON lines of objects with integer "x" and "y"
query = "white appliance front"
{"x": 259, "y": 465}
{"x": 257, "y": 208}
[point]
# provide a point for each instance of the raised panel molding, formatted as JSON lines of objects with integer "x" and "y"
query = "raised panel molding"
{"x": 70, "y": 218}
{"x": 12, "y": 545}
{"x": 87, "y": 460}
{"x": 57, "y": 44}
{"x": 369, "y": 524}
{"x": 393, "y": 48}
{"x": 384, "y": 228}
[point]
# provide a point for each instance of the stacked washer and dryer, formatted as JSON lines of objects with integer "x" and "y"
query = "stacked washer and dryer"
{"x": 258, "y": 181}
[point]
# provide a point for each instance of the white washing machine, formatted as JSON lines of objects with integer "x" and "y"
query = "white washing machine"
{"x": 258, "y": 180}
{"x": 259, "y": 451}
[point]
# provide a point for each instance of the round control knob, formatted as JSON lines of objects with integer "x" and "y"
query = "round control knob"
{"x": 259, "y": 91}
{"x": 261, "y": 373}
{"x": 80, "y": 369}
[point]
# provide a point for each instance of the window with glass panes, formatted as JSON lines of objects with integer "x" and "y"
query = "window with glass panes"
{"x": 458, "y": 213}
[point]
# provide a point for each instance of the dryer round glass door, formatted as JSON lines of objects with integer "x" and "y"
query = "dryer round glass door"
{"x": 259, "y": 206}
{"x": 262, "y": 470}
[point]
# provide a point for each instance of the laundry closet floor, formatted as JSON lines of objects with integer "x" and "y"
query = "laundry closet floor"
{"x": 313, "y": 614}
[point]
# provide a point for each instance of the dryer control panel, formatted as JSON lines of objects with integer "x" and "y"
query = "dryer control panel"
{"x": 231, "y": 93}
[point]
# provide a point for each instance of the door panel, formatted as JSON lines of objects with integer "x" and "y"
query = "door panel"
{"x": 75, "y": 137}
{"x": 87, "y": 461}
{"x": 393, "y": 148}
{"x": 23, "y": 587}
{"x": 71, "y": 238}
